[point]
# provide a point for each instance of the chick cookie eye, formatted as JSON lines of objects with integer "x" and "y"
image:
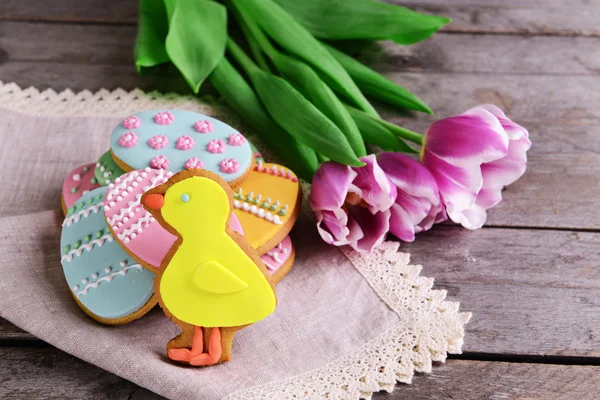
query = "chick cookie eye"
{"x": 185, "y": 197}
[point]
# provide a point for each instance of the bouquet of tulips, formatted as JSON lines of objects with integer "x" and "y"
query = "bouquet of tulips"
{"x": 308, "y": 102}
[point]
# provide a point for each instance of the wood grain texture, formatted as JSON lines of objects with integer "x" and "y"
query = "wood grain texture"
{"x": 538, "y": 17}
{"x": 10, "y": 333}
{"x": 459, "y": 379}
{"x": 48, "y": 373}
{"x": 531, "y": 292}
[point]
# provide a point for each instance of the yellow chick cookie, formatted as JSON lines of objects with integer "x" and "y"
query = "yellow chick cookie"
{"x": 211, "y": 277}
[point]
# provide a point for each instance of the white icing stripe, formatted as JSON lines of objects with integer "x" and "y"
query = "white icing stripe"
{"x": 107, "y": 278}
{"x": 259, "y": 212}
{"x": 123, "y": 212}
{"x": 136, "y": 227}
{"x": 124, "y": 182}
{"x": 88, "y": 246}
{"x": 85, "y": 213}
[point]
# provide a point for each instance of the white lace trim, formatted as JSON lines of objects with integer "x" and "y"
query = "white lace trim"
{"x": 429, "y": 326}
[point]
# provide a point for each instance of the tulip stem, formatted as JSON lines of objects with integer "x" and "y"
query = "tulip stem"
{"x": 404, "y": 133}
{"x": 242, "y": 58}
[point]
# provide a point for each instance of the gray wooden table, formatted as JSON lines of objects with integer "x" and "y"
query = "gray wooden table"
{"x": 531, "y": 276}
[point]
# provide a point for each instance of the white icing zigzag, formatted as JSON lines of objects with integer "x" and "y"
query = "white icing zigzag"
{"x": 259, "y": 212}
{"x": 107, "y": 278}
{"x": 135, "y": 228}
{"x": 85, "y": 213}
{"x": 88, "y": 246}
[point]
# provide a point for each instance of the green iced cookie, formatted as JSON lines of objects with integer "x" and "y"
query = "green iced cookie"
{"x": 107, "y": 170}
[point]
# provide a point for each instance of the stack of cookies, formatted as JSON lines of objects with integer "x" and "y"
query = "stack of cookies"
{"x": 181, "y": 211}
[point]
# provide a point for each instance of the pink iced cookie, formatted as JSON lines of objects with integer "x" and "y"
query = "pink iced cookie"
{"x": 278, "y": 255}
{"x": 133, "y": 226}
{"x": 79, "y": 181}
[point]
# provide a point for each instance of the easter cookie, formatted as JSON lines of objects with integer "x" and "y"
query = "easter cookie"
{"x": 279, "y": 259}
{"x": 267, "y": 204}
{"x": 78, "y": 183}
{"x": 106, "y": 282}
{"x": 211, "y": 282}
{"x": 176, "y": 140}
{"x": 107, "y": 170}
{"x": 258, "y": 157}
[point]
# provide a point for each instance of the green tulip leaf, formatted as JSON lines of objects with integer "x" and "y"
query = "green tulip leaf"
{"x": 363, "y": 19}
{"x": 197, "y": 37}
{"x": 153, "y": 26}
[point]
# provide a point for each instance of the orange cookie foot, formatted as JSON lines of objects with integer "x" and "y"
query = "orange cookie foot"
{"x": 195, "y": 356}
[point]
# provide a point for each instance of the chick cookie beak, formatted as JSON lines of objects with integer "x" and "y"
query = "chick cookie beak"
{"x": 154, "y": 201}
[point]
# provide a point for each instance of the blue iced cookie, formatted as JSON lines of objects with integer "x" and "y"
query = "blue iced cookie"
{"x": 175, "y": 140}
{"x": 107, "y": 283}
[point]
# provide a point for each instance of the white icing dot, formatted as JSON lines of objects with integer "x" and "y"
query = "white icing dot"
{"x": 108, "y": 269}
{"x": 261, "y": 213}
{"x": 124, "y": 193}
{"x": 245, "y": 206}
{"x": 131, "y": 214}
{"x": 119, "y": 198}
{"x": 147, "y": 169}
{"x": 139, "y": 179}
{"x": 94, "y": 276}
{"x": 106, "y": 208}
{"x": 144, "y": 174}
{"x": 106, "y": 175}
{"x": 126, "y": 241}
{"x": 125, "y": 219}
{"x": 76, "y": 177}
{"x": 129, "y": 189}
{"x": 76, "y": 287}
{"x": 138, "y": 209}
{"x": 123, "y": 263}
{"x": 253, "y": 209}
{"x": 133, "y": 235}
{"x": 139, "y": 230}
{"x": 118, "y": 180}
{"x": 119, "y": 224}
{"x": 134, "y": 184}
{"x": 97, "y": 164}
{"x": 84, "y": 281}
{"x": 101, "y": 168}
{"x": 112, "y": 204}
{"x": 111, "y": 186}
{"x": 107, "y": 181}
{"x": 85, "y": 192}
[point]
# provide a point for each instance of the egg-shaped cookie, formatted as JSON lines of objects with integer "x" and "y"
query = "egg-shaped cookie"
{"x": 77, "y": 183}
{"x": 267, "y": 204}
{"x": 107, "y": 170}
{"x": 175, "y": 140}
{"x": 108, "y": 284}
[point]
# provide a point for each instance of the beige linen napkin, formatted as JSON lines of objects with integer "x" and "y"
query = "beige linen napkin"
{"x": 342, "y": 326}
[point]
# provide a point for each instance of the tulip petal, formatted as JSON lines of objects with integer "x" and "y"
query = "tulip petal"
{"x": 332, "y": 226}
{"x": 409, "y": 176}
{"x": 468, "y": 139}
{"x": 377, "y": 190}
{"x": 374, "y": 228}
{"x": 330, "y": 186}
{"x": 401, "y": 224}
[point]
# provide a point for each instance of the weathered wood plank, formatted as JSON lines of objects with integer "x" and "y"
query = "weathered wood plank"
{"x": 35, "y": 373}
{"x": 10, "y": 332}
{"x": 546, "y": 17}
{"x": 52, "y": 374}
{"x": 531, "y": 292}
{"x": 458, "y": 379}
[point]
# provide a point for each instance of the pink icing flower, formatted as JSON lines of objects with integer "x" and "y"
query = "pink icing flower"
{"x": 158, "y": 142}
{"x": 236, "y": 139}
{"x": 229, "y": 166}
{"x": 194, "y": 162}
{"x": 215, "y": 146}
{"x": 132, "y": 122}
{"x": 128, "y": 140}
{"x": 159, "y": 162}
{"x": 164, "y": 118}
{"x": 185, "y": 142}
{"x": 203, "y": 126}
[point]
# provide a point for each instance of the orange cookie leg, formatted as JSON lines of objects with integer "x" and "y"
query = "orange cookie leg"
{"x": 214, "y": 351}
{"x": 185, "y": 354}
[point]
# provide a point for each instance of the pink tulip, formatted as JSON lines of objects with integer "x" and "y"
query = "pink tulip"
{"x": 352, "y": 205}
{"x": 418, "y": 205}
{"x": 472, "y": 157}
